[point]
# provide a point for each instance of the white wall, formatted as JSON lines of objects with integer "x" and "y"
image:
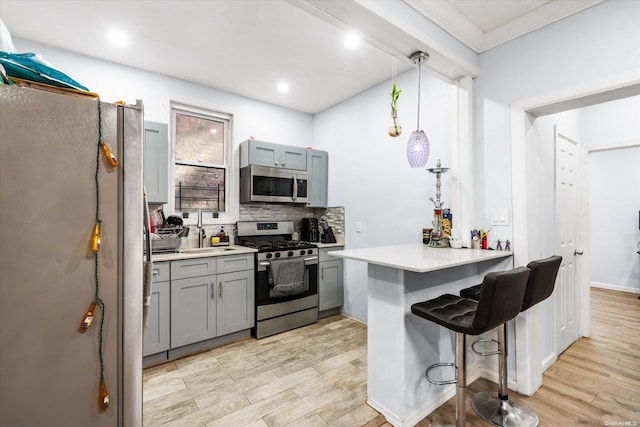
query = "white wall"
{"x": 115, "y": 82}
{"x": 592, "y": 45}
{"x": 614, "y": 192}
{"x": 369, "y": 173}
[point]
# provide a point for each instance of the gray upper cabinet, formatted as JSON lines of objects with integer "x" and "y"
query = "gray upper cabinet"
{"x": 318, "y": 169}
{"x": 253, "y": 152}
{"x": 156, "y": 162}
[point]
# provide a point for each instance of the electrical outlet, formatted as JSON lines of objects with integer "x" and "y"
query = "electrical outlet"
{"x": 499, "y": 216}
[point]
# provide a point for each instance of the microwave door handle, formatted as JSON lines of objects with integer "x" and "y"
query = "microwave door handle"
{"x": 295, "y": 188}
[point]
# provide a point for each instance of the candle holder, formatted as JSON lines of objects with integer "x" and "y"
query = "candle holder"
{"x": 439, "y": 239}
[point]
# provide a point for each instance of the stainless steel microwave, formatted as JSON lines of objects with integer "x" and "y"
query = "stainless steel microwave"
{"x": 274, "y": 185}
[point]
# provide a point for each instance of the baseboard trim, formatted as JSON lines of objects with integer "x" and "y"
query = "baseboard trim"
{"x": 449, "y": 391}
{"x": 548, "y": 361}
{"x": 612, "y": 287}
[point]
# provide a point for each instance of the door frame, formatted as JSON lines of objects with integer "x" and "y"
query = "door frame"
{"x": 524, "y": 173}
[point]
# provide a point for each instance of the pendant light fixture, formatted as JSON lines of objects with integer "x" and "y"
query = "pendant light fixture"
{"x": 418, "y": 144}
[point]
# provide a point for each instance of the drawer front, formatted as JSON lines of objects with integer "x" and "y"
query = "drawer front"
{"x": 193, "y": 268}
{"x": 324, "y": 256}
{"x": 160, "y": 272}
{"x": 230, "y": 263}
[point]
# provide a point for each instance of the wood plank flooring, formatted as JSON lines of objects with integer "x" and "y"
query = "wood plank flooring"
{"x": 316, "y": 376}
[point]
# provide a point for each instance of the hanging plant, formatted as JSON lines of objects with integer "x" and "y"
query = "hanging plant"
{"x": 395, "y": 129}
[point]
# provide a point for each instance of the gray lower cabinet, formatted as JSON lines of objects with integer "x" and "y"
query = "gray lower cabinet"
{"x": 211, "y": 305}
{"x": 157, "y": 338}
{"x": 330, "y": 281}
{"x": 235, "y": 308}
{"x": 193, "y": 310}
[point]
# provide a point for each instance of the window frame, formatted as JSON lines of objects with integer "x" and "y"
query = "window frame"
{"x": 230, "y": 214}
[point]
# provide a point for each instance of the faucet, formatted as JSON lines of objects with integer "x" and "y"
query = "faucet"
{"x": 200, "y": 229}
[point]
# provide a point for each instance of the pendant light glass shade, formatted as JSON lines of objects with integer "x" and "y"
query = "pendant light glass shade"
{"x": 418, "y": 144}
{"x": 418, "y": 149}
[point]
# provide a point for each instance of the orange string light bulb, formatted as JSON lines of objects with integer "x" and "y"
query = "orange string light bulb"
{"x": 87, "y": 318}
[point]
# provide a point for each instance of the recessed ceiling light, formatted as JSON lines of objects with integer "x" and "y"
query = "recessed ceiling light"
{"x": 118, "y": 37}
{"x": 352, "y": 40}
{"x": 283, "y": 87}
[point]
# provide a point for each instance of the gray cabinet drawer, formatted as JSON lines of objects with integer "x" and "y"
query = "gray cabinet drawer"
{"x": 195, "y": 267}
{"x": 230, "y": 263}
{"x": 324, "y": 256}
{"x": 160, "y": 272}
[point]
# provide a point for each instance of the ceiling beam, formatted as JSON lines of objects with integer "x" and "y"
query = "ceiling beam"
{"x": 397, "y": 29}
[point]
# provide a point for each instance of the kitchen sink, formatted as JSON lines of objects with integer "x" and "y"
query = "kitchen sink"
{"x": 207, "y": 249}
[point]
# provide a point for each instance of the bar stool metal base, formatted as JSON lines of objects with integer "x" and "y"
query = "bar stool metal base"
{"x": 505, "y": 413}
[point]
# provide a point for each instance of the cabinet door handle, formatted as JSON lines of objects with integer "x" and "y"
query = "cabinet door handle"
{"x": 220, "y": 291}
{"x": 276, "y": 163}
{"x": 213, "y": 292}
{"x": 322, "y": 274}
{"x": 156, "y": 272}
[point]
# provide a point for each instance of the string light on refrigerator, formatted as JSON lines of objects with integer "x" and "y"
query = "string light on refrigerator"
{"x": 95, "y": 241}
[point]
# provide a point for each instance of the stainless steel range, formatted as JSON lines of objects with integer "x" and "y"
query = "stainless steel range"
{"x": 286, "y": 276}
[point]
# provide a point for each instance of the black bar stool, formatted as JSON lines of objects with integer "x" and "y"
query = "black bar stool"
{"x": 499, "y": 301}
{"x": 498, "y": 408}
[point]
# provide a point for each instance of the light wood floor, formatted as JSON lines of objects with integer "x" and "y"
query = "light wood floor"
{"x": 316, "y": 376}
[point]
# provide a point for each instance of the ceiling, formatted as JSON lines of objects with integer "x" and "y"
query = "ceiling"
{"x": 248, "y": 47}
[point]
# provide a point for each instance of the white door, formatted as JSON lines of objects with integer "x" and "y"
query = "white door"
{"x": 567, "y": 226}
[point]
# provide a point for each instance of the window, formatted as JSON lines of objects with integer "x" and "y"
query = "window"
{"x": 201, "y": 166}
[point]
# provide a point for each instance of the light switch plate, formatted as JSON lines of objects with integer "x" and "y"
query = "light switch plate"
{"x": 499, "y": 217}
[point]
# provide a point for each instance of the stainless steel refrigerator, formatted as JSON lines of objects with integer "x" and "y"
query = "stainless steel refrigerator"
{"x": 49, "y": 153}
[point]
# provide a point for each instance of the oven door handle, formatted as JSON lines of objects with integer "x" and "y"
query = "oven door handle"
{"x": 268, "y": 264}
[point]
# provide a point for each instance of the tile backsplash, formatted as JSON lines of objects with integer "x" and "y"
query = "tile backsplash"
{"x": 282, "y": 212}
{"x": 277, "y": 212}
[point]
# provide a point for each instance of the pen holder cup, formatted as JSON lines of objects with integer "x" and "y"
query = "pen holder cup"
{"x": 475, "y": 244}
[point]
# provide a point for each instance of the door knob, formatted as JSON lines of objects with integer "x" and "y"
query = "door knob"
{"x": 577, "y": 252}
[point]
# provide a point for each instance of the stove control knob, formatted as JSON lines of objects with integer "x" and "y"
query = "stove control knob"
{"x": 277, "y": 254}
{"x": 268, "y": 256}
{"x": 310, "y": 251}
{"x": 302, "y": 252}
{"x": 290, "y": 253}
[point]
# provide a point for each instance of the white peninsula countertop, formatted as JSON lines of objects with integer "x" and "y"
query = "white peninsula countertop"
{"x": 418, "y": 257}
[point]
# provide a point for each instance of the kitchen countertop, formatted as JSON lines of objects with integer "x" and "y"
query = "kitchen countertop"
{"x": 419, "y": 257}
{"x": 339, "y": 242}
{"x": 204, "y": 252}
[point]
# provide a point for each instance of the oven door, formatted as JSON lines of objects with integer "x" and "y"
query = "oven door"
{"x": 265, "y": 184}
{"x": 268, "y": 292}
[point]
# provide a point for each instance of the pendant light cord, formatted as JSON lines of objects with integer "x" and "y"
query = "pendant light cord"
{"x": 419, "y": 79}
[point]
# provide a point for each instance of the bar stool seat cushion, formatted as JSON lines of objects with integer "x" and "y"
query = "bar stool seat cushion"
{"x": 499, "y": 301}
{"x": 450, "y": 311}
